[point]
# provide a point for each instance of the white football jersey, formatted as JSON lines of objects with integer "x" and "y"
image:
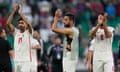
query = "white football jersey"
{"x": 22, "y": 45}
{"x": 74, "y": 44}
{"x": 103, "y": 45}
{"x": 34, "y": 42}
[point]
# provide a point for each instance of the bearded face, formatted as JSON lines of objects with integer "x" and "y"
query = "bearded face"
{"x": 21, "y": 25}
{"x": 66, "y": 22}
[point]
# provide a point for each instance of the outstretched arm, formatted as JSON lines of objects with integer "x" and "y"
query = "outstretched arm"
{"x": 25, "y": 19}
{"x": 10, "y": 26}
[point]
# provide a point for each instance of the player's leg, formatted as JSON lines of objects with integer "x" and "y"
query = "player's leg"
{"x": 98, "y": 66}
{"x": 109, "y": 66}
{"x": 34, "y": 67}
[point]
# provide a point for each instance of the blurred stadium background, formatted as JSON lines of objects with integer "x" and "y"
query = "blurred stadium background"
{"x": 40, "y": 13}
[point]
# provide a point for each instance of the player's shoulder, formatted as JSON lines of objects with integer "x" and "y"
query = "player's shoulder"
{"x": 33, "y": 39}
{"x": 17, "y": 30}
{"x": 92, "y": 41}
{"x": 111, "y": 28}
{"x": 75, "y": 30}
{"x": 92, "y": 28}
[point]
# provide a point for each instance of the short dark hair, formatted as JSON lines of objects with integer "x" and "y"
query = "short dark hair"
{"x": 101, "y": 13}
{"x": 71, "y": 16}
{"x": 37, "y": 31}
{"x": 57, "y": 37}
{"x": 19, "y": 19}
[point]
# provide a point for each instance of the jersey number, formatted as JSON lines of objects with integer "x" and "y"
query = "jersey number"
{"x": 102, "y": 37}
{"x": 20, "y": 40}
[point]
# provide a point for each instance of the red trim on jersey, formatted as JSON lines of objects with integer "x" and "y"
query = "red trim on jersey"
{"x": 112, "y": 68}
{"x": 30, "y": 49}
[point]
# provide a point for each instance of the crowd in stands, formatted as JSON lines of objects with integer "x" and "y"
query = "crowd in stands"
{"x": 40, "y": 13}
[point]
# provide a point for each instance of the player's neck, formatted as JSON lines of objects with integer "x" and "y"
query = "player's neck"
{"x": 21, "y": 31}
{"x": 101, "y": 27}
{"x": 38, "y": 38}
{"x": 71, "y": 25}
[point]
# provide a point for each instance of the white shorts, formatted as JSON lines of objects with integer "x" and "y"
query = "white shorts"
{"x": 68, "y": 64}
{"x": 34, "y": 66}
{"x": 22, "y": 66}
{"x": 103, "y": 66}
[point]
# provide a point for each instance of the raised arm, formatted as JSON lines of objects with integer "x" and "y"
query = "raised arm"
{"x": 108, "y": 34}
{"x": 59, "y": 30}
{"x": 25, "y": 19}
{"x": 9, "y": 20}
{"x": 93, "y": 31}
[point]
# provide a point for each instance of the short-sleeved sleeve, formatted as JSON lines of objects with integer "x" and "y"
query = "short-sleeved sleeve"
{"x": 91, "y": 48}
{"x": 111, "y": 29}
{"x": 92, "y": 29}
{"x": 75, "y": 31}
{"x": 34, "y": 42}
{"x": 31, "y": 34}
{"x": 15, "y": 32}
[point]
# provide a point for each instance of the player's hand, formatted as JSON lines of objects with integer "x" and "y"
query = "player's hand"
{"x": 100, "y": 20}
{"x": 119, "y": 64}
{"x": 105, "y": 18}
{"x": 68, "y": 47}
{"x": 14, "y": 6}
{"x": 56, "y": 19}
{"x": 20, "y": 9}
{"x": 58, "y": 15}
